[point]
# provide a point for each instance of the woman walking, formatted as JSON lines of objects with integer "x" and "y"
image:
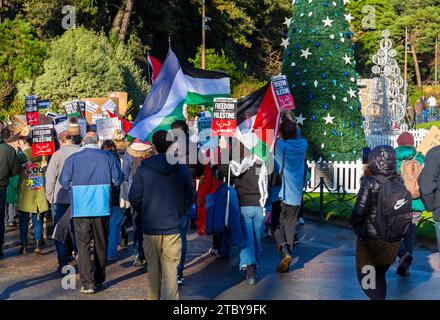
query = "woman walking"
{"x": 374, "y": 256}
{"x": 31, "y": 195}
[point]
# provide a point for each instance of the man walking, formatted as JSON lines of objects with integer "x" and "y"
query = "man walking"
{"x": 58, "y": 197}
{"x": 90, "y": 174}
{"x": 9, "y": 167}
{"x": 432, "y": 103}
{"x": 163, "y": 193}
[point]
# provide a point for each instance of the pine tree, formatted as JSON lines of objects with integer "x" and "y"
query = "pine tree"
{"x": 320, "y": 66}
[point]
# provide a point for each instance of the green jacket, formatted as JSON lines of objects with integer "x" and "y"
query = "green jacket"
{"x": 12, "y": 191}
{"x": 406, "y": 153}
{"x": 9, "y": 166}
{"x": 31, "y": 192}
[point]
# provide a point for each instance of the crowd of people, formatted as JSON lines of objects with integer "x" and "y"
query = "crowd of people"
{"x": 94, "y": 189}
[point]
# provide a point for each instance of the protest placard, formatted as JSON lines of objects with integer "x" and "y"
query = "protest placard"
{"x": 82, "y": 107}
{"x": 43, "y": 104}
{"x": 431, "y": 140}
{"x": 42, "y": 141}
{"x": 61, "y": 126}
{"x": 281, "y": 89}
{"x": 96, "y": 117}
{"x": 204, "y": 125}
{"x": 31, "y": 109}
{"x": 91, "y": 106}
{"x": 109, "y": 105}
{"x": 224, "y": 119}
{"x": 106, "y": 127}
{"x": 72, "y": 109}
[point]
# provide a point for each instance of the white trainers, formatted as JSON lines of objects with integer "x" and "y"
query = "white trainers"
{"x": 87, "y": 291}
{"x": 301, "y": 221}
{"x": 213, "y": 251}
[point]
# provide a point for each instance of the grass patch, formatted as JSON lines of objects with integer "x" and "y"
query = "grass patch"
{"x": 339, "y": 210}
{"x": 428, "y": 125}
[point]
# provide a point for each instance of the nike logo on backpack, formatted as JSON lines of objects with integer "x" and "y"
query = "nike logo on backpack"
{"x": 399, "y": 204}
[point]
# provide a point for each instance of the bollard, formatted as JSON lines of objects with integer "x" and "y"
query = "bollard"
{"x": 321, "y": 198}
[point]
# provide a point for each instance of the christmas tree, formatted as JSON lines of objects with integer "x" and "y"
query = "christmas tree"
{"x": 319, "y": 64}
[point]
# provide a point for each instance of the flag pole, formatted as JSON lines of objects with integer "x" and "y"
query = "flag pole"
{"x": 228, "y": 195}
{"x": 150, "y": 81}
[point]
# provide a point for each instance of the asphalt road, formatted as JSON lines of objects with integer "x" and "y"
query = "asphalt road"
{"x": 323, "y": 269}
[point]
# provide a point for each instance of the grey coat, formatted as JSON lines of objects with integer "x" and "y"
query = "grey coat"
{"x": 54, "y": 192}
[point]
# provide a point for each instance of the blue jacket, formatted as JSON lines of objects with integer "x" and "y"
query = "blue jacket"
{"x": 290, "y": 155}
{"x": 162, "y": 193}
{"x": 89, "y": 175}
{"x": 216, "y": 214}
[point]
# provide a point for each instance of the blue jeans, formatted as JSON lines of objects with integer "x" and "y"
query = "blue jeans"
{"x": 114, "y": 231}
{"x": 37, "y": 220}
{"x": 11, "y": 212}
{"x": 138, "y": 235}
{"x": 183, "y": 230}
{"x": 2, "y": 216}
{"x": 58, "y": 211}
{"x": 253, "y": 218}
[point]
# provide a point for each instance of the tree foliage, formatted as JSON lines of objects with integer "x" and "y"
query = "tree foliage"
{"x": 82, "y": 64}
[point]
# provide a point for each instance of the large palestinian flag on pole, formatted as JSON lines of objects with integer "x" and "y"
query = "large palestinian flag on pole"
{"x": 174, "y": 87}
{"x": 258, "y": 118}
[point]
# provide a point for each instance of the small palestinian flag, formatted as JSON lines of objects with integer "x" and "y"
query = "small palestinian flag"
{"x": 258, "y": 118}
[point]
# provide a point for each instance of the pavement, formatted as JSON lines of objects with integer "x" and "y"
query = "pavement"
{"x": 323, "y": 269}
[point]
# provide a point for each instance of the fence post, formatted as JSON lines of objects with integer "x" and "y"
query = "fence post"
{"x": 321, "y": 199}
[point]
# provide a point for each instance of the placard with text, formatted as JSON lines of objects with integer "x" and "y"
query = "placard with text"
{"x": 224, "y": 117}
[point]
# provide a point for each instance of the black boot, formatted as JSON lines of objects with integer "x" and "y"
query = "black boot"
{"x": 251, "y": 273}
{"x": 285, "y": 258}
{"x": 404, "y": 265}
{"x": 23, "y": 249}
{"x": 37, "y": 250}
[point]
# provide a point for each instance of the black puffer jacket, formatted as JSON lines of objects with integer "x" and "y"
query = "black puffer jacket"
{"x": 381, "y": 161}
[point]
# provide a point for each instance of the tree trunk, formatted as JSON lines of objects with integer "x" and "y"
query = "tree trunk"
{"x": 126, "y": 19}
{"x": 117, "y": 21}
{"x": 416, "y": 66}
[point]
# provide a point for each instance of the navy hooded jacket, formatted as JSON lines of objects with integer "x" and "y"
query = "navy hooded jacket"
{"x": 162, "y": 193}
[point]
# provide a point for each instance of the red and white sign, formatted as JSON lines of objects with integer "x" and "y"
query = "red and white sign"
{"x": 43, "y": 143}
{"x": 282, "y": 93}
{"x": 224, "y": 118}
{"x": 31, "y": 109}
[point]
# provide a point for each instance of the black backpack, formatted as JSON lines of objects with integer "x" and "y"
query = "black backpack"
{"x": 394, "y": 212}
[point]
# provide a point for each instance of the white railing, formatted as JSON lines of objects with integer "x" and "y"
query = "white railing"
{"x": 374, "y": 140}
{"x": 346, "y": 174}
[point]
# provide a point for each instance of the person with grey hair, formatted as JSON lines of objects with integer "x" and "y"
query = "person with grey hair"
{"x": 89, "y": 175}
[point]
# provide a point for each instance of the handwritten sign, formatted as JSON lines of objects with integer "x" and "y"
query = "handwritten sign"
{"x": 91, "y": 106}
{"x": 31, "y": 109}
{"x": 282, "y": 92}
{"x": 106, "y": 127}
{"x": 224, "y": 119}
{"x": 431, "y": 140}
{"x": 109, "y": 105}
{"x": 62, "y": 126}
{"x": 42, "y": 141}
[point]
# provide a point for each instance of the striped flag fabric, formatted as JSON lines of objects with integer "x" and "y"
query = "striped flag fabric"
{"x": 174, "y": 87}
{"x": 258, "y": 118}
{"x": 155, "y": 67}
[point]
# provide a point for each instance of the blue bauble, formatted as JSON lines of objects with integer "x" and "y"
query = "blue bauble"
{"x": 311, "y": 96}
{"x": 297, "y": 73}
{"x": 314, "y": 117}
{"x": 346, "y": 74}
{"x": 324, "y": 88}
{"x": 289, "y": 53}
{"x": 326, "y": 106}
{"x": 318, "y": 44}
{"x": 353, "y": 47}
{"x": 325, "y": 4}
{"x": 285, "y": 34}
{"x": 294, "y": 30}
{"x": 352, "y": 124}
{"x": 298, "y": 46}
{"x": 324, "y": 76}
{"x": 313, "y": 30}
{"x": 335, "y": 133}
{"x": 363, "y": 118}
{"x": 360, "y": 107}
{"x": 336, "y": 46}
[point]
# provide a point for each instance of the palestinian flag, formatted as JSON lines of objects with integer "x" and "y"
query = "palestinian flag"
{"x": 155, "y": 67}
{"x": 258, "y": 118}
{"x": 174, "y": 87}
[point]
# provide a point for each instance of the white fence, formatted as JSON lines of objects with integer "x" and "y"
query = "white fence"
{"x": 346, "y": 174}
{"x": 374, "y": 140}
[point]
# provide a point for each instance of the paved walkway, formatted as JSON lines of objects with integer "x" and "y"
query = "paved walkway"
{"x": 323, "y": 269}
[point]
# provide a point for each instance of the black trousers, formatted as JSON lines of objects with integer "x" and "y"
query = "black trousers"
{"x": 284, "y": 219}
{"x": 86, "y": 230}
